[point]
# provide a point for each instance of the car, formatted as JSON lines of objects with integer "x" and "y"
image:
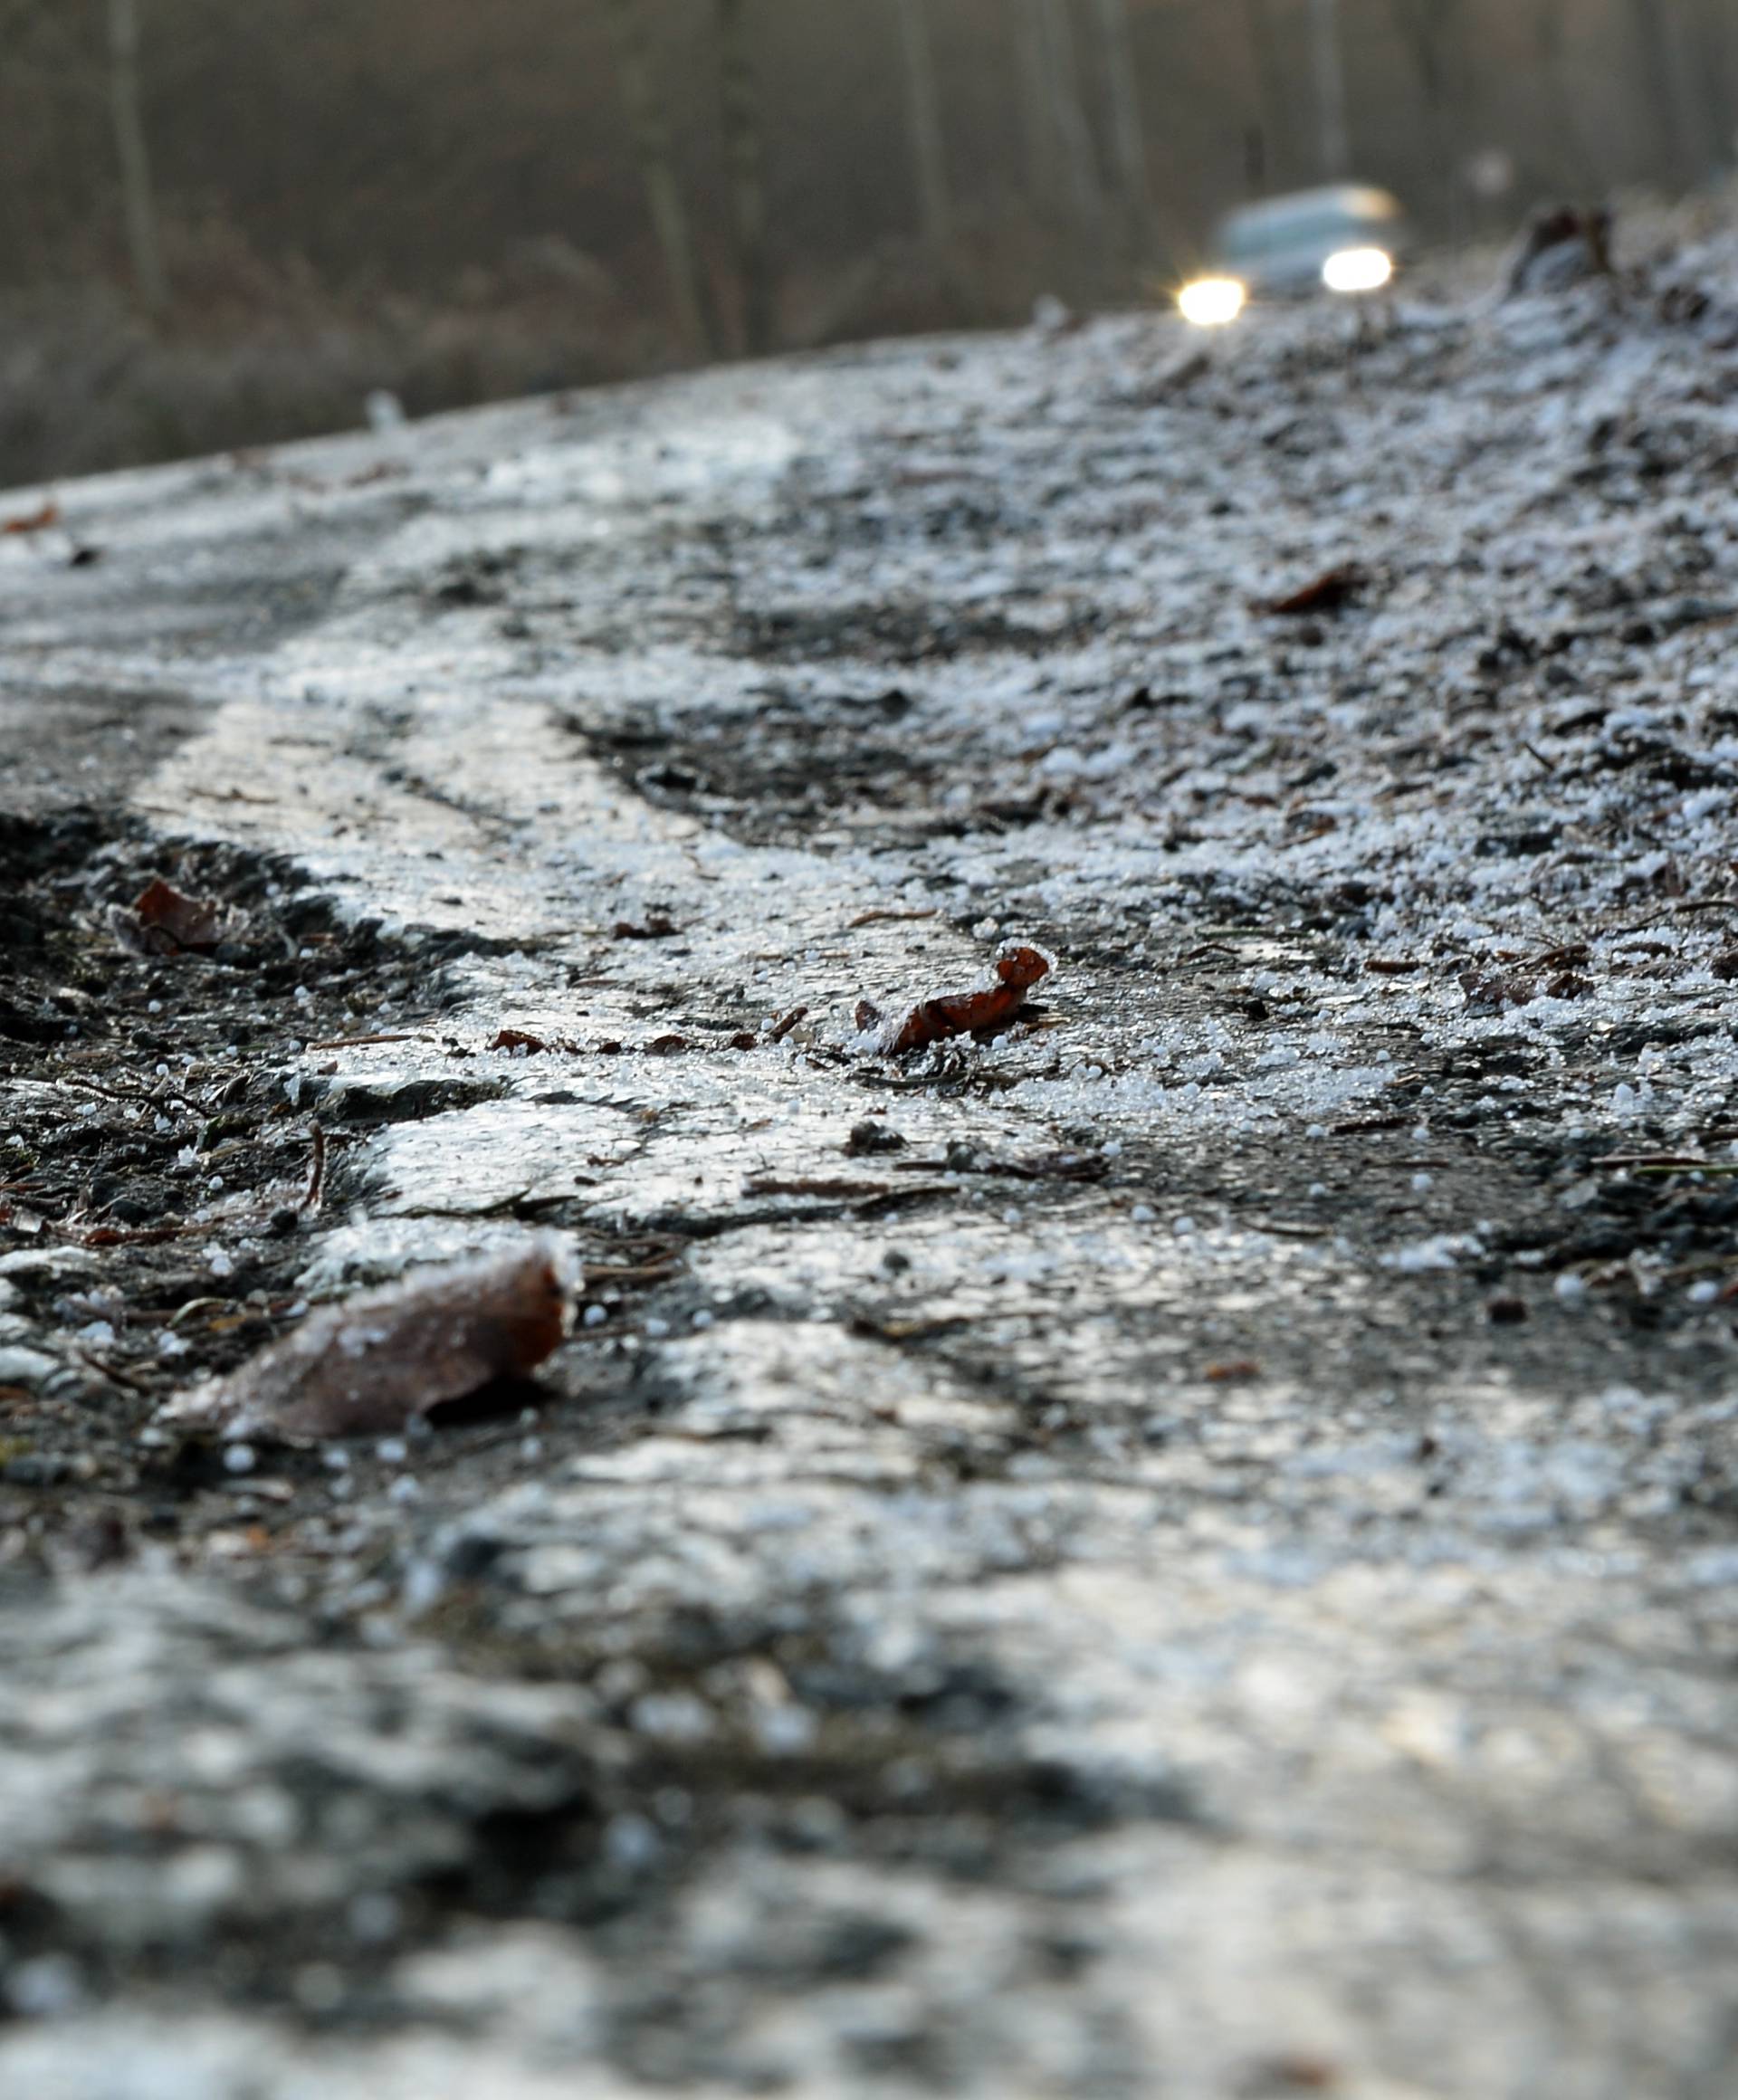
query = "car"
{"x": 1347, "y": 238}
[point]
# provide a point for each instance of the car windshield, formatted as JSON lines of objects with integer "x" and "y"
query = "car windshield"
{"x": 1320, "y": 223}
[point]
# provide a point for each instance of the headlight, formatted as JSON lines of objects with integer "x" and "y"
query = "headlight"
{"x": 1211, "y": 301}
{"x": 1358, "y": 270}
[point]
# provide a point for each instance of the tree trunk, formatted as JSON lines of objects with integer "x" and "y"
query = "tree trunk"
{"x": 1334, "y": 145}
{"x": 1042, "y": 178}
{"x": 137, "y": 201}
{"x": 1662, "y": 79}
{"x": 1549, "y": 45}
{"x": 688, "y": 293}
{"x": 1716, "y": 59}
{"x": 1127, "y": 135}
{"x": 1068, "y": 113}
{"x": 1689, "y": 46}
{"x": 1434, "y": 31}
{"x": 745, "y": 156}
{"x": 1274, "y": 97}
{"x": 923, "y": 110}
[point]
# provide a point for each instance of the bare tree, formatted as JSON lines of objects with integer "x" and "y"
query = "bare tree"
{"x": 1268, "y": 155}
{"x": 647, "y": 118}
{"x": 745, "y": 156}
{"x": 138, "y": 202}
{"x": 1067, "y": 111}
{"x": 1663, "y": 67}
{"x": 1042, "y": 182}
{"x": 1435, "y": 35}
{"x": 1569, "y": 147}
{"x": 1334, "y": 147}
{"x": 1715, "y": 34}
{"x": 924, "y": 107}
{"x": 1128, "y": 138}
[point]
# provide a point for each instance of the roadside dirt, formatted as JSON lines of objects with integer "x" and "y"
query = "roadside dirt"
{"x": 1183, "y": 1546}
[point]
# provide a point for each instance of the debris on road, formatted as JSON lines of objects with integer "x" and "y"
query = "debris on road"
{"x": 162, "y": 921}
{"x": 1334, "y": 589}
{"x": 38, "y": 521}
{"x": 381, "y": 1360}
{"x": 985, "y": 1008}
{"x": 1562, "y": 245}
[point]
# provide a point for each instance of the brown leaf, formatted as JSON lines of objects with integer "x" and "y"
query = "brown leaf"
{"x": 993, "y": 1005}
{"x": 657, "y": 927}
{"x": 33, "y": 520}
{"x": 163, "y": 921}
{"x": 385, "y": 1357}
{"x": 1340, "y": 586}
{"x": 1488, "y": 991}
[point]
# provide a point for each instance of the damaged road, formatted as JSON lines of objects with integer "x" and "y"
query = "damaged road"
{"x": 1181, "y": 1541}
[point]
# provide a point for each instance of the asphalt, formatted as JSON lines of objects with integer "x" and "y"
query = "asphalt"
{"x": 1184, "y": 1547}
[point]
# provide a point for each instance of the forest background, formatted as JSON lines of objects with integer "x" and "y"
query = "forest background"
{"x": 223, "y": 226}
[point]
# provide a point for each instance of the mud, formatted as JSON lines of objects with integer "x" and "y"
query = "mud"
{"x": 1183, "y": 1547}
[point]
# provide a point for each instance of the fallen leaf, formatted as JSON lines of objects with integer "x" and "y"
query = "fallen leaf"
{"x": 163, "y": 921}
{"x": 381, "y": 1359}
{"x": 33, "y": 520}
{"x": 1327, "y": 593}
{"x": 1017, "y": 968}
{"x": 1488, "y": 991}
{"x": 869, "y": 1137}
{"x": 516, "y": 1040}
{"x": 657, "y": 927}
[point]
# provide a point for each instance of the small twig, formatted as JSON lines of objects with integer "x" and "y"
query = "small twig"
{"x": 917, "y": 1330}
{"x": 832, "y": 1189}
{"x": 1714, "y": 1166}
{"x": 364, "y": 1042}
{"x": 1654, "y": 1159}
{"x": 114, "y": 1371}
{"x": 1308, "y": 838}
{"x": 1538, "y": 756}
{"x": 782, "y": 1028}
{"x": 316, "y": 1178}
{"x": 874, "y": 918}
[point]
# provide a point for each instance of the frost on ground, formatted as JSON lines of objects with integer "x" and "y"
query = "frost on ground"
{"x": 1184, "y": 1547}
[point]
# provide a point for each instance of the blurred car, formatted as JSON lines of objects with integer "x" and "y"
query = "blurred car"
{"x": 1347, "y": 238}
